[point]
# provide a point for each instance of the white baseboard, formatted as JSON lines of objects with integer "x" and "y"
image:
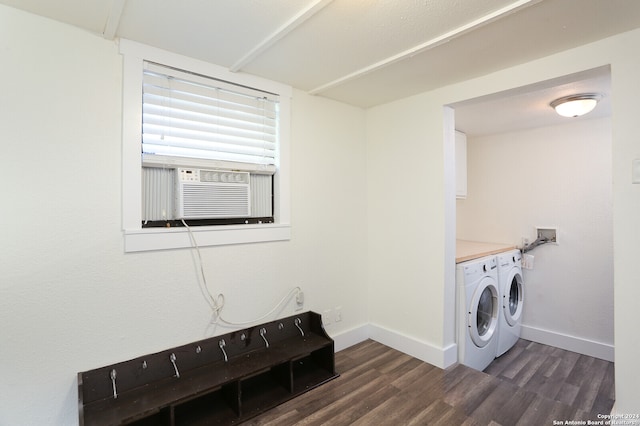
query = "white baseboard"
{"x": 571, "y": 343}
{"x": 450, "y": 355}
{"x": 445, "y": 357}
{"x": 345, "y": 339}
{"x": 440, "y": 357}
{"x": 426, "y": 352}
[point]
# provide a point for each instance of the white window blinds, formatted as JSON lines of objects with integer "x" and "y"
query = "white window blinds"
{"x": 191, "y": 116}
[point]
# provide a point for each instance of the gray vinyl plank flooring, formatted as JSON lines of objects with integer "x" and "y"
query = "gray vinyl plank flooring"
{"x": 532, "y": 384}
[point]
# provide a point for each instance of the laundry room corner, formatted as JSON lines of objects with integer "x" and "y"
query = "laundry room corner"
{"x": 556, "y": 176}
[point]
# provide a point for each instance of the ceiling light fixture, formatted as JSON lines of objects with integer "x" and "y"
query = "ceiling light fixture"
{"x": 576, "y": 105}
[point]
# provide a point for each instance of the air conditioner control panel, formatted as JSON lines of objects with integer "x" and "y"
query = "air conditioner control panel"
{"x": 216, "y": 176}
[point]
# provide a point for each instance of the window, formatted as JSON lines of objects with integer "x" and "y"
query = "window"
{"x": 192, "y": 133}
{"x": 208, "y": 150}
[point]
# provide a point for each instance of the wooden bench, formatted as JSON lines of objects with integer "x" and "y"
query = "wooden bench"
{"x": 221, "y": 380}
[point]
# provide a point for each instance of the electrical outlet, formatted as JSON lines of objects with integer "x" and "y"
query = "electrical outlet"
{"x": 527, "y": 261}
{"x": 337, "y": 313}
{"x": 326, "y": 317}
{"x": 299, "y": 300}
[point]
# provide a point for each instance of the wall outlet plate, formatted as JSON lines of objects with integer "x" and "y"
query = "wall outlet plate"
{"x": 527, "y": 261}
{"x": 327, "y": 318}
{"x": 338, "y": 313}
{"x": 299, "y": 300}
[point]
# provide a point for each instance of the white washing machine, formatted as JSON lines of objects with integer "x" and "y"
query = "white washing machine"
{"x": 511, "y": 289}
{"x": 478, "y": 311}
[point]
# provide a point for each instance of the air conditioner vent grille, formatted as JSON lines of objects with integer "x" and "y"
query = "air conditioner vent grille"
{"x": 205, "y": 201}
{"x": 204, "y": 194}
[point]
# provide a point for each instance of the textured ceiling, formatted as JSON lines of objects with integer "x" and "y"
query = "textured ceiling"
{"x": 361, "y": 52}
{"x": 528, "y": 107}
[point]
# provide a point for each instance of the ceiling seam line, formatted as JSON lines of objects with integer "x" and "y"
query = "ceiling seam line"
{"x": 430, "y": 44}
{"x": 113, "y": 20}
{"x": 280, "y": 33}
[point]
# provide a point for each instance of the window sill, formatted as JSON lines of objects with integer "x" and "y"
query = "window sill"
{"x": 150, "y": 239}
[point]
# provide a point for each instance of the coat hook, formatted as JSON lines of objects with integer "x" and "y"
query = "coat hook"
{"x": 297, "y": 322}
{"x": 112, "y": 374}
{"x": 222, "y": 344}
{"x": 172, "y": 357}
{"x": 263, "y": 331}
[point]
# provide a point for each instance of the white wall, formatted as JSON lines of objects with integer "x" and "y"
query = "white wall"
{"x": 70, "y": 298}
{"x": 406, "y": 257}
{"x": 413, "y": 252}
{"x": 626, "y": 205}
{"x": 556, "y": 176}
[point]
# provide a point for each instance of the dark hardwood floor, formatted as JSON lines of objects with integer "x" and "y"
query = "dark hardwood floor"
{"x": 532, "y": 384}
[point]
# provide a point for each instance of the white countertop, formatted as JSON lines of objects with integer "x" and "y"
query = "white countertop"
{"x": 467, "y": 250}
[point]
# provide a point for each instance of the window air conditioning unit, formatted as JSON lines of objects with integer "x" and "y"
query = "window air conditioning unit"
{"x": 212, "y": 194}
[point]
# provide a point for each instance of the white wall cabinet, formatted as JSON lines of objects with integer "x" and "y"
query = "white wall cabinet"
{"x": 461, "y": 165}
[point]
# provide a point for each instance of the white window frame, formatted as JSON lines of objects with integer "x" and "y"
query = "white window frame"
{"x": 144, "y": 239}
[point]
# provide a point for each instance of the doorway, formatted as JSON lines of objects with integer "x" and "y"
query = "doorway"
{"x": 528, "y": 168}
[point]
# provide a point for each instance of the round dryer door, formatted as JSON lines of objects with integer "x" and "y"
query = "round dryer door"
{"x": 483, "y": 313}
{"x": 512, "y": 298}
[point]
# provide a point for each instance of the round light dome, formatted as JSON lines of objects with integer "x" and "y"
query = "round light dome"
{"x": 575, "y": 105}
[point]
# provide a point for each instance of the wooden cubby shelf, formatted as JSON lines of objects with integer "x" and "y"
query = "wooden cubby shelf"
{"x": 222, "y": 380}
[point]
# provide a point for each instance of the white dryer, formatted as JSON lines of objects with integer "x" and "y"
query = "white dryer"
{"x": 478, "y": 311}
{"x": 510, "y": 284}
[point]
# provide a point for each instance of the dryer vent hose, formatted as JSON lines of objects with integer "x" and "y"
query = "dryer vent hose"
{"x": 538, "y": 242}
